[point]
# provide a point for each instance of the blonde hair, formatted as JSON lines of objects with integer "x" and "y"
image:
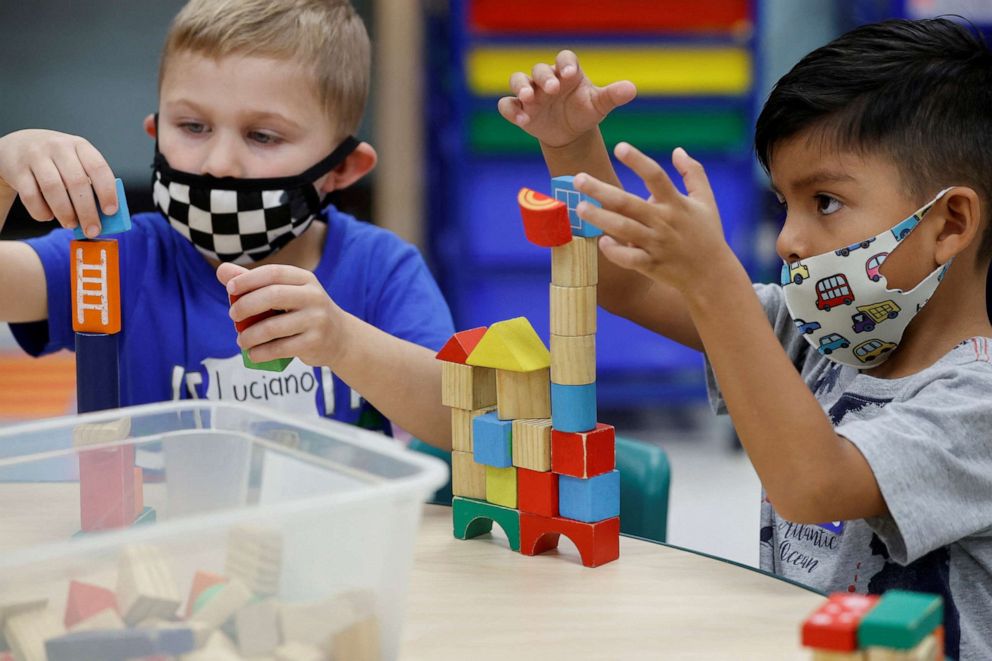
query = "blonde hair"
{"x": 326, "y": 36}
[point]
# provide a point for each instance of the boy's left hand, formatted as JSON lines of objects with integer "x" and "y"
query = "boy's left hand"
{"x": 310, "y": 326}
{"x": 669, "y": 237}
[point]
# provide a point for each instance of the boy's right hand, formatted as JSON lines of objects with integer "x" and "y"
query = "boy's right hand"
{"x": 56, "y": 174}
{"x": 558, "y": 104}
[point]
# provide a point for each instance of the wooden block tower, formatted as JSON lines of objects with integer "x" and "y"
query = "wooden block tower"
{"x": 108, "y": 479}
{"x": 539, "y": 465}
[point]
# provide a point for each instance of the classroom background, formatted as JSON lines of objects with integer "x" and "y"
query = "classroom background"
{"x": 450, "y": 167}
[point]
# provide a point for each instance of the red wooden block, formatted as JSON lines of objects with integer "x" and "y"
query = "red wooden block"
{"x": 598, "y": 543}
{"x": 245, "y": 323}
{"x": 457, "y": 349}
{"x": 537, "y": 492}
{"x": 201, "y": 581}
{"x": 584, "y": 454}
{"x": 106, "y": 488}
{"x": 834, "y": 625}
{"x": 85, "y": 601}
{"x": 139, "y": 491}
{"x": 545, "y": 219}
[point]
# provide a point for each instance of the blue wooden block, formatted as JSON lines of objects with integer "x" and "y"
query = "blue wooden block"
{"x": 589, "y": 500}
{"x": 115, "y": 224}
{"x": 492, "y": 440}
{"x": 120, "y": 644}
{"x": 573, "y": 408}
{"x": 97, "y": 372}
{"x": 563, "y": 190}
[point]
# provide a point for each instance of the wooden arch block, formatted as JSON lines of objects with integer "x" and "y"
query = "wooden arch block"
{"x": 472, "y": 518}
{"x": 598, "y": 543}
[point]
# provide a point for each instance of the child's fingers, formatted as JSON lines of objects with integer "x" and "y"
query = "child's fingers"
{"x": 512, "y": 110}
{"x": 645, "y": 167}
{"x": 614, "y": 95}
{"x": 622, "y": 228}
{"x": 280, "y": 347}
{"x": 545, "y": 78}
{"x": 628, "y": 257}
{"x": 269, "y": 274}
{"x": 269, "y": 330}
{"x": 613, "y": 198}
{"x": 101, "y": 176}
{"x": 32, "y": 198}
{"x": 567, "y": 65}
{"x": 521, "y": 87}
{"x": 80, "y": 191}
{"x": 697, "y": 184}
{"x": 53, "y": 190}
{"x": 227, "y": 271}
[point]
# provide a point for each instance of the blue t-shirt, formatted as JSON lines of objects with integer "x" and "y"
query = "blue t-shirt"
{"x": 178, "y": 340}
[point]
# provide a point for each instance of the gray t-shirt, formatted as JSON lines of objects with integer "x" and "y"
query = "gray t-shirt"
{"x": 928, "y": 440}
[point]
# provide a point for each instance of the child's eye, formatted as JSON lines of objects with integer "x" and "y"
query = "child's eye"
{"x": 827, "y": 204}
{"x": 262, "y": 138}
{"x": 193, "y": 127}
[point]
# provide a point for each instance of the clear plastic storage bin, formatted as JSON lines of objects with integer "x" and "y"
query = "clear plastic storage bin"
{"x": 295, "y": 537}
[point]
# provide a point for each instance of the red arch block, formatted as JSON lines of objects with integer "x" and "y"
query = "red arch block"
{"x": 598, "y": 543}
{"x": 546, "y": 221}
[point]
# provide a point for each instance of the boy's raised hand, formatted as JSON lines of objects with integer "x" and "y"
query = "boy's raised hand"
{"x": 557, "y": 104}
{"x": 55, "y": 175}
{"x": 669, "y": 237}
{"x": 310, "y": 327}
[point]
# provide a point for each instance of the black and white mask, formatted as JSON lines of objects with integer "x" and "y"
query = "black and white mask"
{"x": 241, "y": 220}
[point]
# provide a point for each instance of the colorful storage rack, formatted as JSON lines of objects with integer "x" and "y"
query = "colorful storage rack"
{"x": 694, "y": 66}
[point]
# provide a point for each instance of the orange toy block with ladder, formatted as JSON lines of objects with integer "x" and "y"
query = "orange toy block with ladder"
{"x": 96, "y": 301}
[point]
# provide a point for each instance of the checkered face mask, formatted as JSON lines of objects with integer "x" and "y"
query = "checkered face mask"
{"x": 241, "y": 220}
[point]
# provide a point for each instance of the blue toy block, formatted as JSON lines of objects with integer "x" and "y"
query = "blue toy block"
{"x": 589, "y": 500}
{"x": 492, "y": 440}
{"x": 115, "y": 224}
{"x": 573, "y": 408}
{"x": 97, "y": 372}
{"x": 120, "y": 644}
{"x": 563, "y": 190}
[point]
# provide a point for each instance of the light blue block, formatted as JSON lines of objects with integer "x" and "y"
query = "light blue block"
{"x": 119, "y": 222}
{"x": 589, "y": 500}
{"x": 492, "y": 440}
{"x": 573, "y": 408}
{"x": 563, "y": 190}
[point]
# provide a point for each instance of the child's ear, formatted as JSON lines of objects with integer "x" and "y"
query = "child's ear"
{"x": 149, "y": 125}
{"x": 358, "y": 164}
{"x": 962, "y": 223}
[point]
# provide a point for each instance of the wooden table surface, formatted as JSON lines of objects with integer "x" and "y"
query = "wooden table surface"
{"x": 476, "y": 599}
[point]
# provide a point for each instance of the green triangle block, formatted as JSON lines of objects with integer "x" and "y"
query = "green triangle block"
{"x": 901, "y": 620}
{"x": 277, "y": 365}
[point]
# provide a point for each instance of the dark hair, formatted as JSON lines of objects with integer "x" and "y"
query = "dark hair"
{"x": 919, "y": 92}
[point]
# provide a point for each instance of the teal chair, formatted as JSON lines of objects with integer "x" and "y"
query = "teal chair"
{"x": 645, "y": 479}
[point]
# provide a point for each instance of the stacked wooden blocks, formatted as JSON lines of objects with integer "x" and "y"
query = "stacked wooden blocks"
{"x": 539, "y": 465}
{"x": 234, "y": 615}
{"x": 898, "y": 626}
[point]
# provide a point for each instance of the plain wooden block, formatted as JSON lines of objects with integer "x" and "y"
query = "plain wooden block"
{"x": 501, "y": 486}
{"x": 573, "y": 359}
{"x": 523, "y": 394}
{"x": 461, "y": 428}
{"x": 254, "y": 555}
{"x": 467, "y": 387}
{"x": 294, "y": 651}
{"x": 93, "y": 433}
{"x": 573, "y": 310}
{"x": 468, "y": 478}
{"x": 359, "y": 641}
{"x": 576, "y": 264}
{"x": 27, "y": 631}
{"x": 229, "y": 598}
{"x": 145, "y": 585}
{"x": 532, "y": 444}
{"x": 257, "y": 627}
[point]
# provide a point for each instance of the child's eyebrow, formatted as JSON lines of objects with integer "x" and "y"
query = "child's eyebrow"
{"x": 819, "y": 177}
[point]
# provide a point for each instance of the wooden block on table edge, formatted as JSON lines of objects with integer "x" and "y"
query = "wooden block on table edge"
{"x": 573, "y": 310}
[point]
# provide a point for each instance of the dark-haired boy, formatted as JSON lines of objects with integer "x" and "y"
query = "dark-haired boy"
{"x": 876, "y": 418}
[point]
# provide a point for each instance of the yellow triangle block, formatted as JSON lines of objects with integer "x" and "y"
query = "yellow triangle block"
{"x": 511, "y": 345}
